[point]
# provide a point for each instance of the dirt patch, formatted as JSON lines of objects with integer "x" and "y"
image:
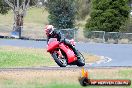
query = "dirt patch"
{"x": 91, "y": 58}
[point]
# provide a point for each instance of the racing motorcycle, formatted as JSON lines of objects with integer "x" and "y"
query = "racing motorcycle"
{"x": 63, "y": 55}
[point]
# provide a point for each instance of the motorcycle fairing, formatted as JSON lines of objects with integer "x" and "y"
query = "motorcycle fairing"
{"x": 52, "y": 46}
{"x": 70, "y": 54}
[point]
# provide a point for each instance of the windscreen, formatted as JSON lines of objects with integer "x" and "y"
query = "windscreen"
{"x": 51, "y": 40}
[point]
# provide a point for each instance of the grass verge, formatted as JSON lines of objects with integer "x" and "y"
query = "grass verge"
{"x": 59, "y": 78}
{"x": 28, "y": 57}
{"x": 24, "y": 57}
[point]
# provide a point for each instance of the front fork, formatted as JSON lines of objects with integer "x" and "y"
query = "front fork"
{"x": 59, "y": 53}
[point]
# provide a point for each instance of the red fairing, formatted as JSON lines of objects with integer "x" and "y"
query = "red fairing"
{"x": 52, "y": 46}
{"x": 70, "y": 54}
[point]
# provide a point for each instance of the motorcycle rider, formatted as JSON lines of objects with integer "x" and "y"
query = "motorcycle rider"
{"x": 51, "y": 33}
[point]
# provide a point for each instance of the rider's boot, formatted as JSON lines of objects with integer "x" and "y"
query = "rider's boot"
{"x": 76, "y": 52}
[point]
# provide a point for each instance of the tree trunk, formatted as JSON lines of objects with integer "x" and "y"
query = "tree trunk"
{"x": 19, "y": 13}
{"x": 18, "y": 25}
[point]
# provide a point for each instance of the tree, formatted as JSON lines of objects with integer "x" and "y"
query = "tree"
{"x": 19, "y": 8}
{"x": 83, "y": 8}
{"x": 62, "y": 13}
{"x": 108, "y": 15}
{"x": 33, "y": 2}
{"x": 3, "y": 7}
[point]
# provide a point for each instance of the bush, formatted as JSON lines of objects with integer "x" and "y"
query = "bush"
{"x": 83, "y": 8}
{"x": 62, "y": 13}
{"x": 3, "y": 7}
{"x": 108, "y": 15}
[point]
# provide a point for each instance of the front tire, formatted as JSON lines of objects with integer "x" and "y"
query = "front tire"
{"x": 81, "y": 61}
{"x": 62, "y": 62}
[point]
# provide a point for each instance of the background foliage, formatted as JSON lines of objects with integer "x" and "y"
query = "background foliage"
{"x": 3, "y": 7}
{"x": 82, "y": 8}
{"x": 108, "y": 15}
{"x": 62, "y": 13}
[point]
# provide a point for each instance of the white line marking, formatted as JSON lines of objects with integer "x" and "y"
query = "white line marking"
{"x": 104, "y": 60}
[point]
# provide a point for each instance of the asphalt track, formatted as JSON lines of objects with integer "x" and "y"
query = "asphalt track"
{"x": 116, "y": 55}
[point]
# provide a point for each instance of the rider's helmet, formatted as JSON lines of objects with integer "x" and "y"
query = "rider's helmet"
{"x": 49, "y": 29}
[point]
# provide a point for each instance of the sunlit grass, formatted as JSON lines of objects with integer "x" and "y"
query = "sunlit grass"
{"x": 34, "y": 16}
{"x": 27, "y": 57}
{"x": 37, "y": 16}
{"x": 59, "y": 78}
{"x": 24, "y": 57}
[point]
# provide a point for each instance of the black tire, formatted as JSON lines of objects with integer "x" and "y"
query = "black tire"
{"x": 81, "y": 61}
{"x": 59, "y": 60}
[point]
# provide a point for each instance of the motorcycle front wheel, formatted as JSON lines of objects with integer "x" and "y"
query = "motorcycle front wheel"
{"x": 62, "y": 62}
{"x": 81, "y": 61}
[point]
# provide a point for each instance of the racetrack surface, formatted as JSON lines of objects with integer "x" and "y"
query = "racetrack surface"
{"x": 119, "y": 53}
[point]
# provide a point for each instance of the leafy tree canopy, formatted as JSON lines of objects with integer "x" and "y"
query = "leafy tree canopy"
{"x": 62, "y": 13}
{"x": 3, "y": 7}
{"x": 108, "y": 15}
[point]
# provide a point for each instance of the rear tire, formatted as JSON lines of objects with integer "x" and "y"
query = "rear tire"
{"x": 62, "y": 62}
{"x": 81, "y": 61}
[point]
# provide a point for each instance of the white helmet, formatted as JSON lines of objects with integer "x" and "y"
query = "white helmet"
{"x": 49, "y": 29}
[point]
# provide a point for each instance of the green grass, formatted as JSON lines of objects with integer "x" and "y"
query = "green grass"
{"x": 56, "y": 85}
{"x": 37, "y": 16}
{"x": 22, "y": 57}
{"x": 34, "y": 15}
{"x": 79, "y": 86}
{"x": 28, "y": 57}
{"x": 59, "y": 85}
{"x": 60, "y": 79}
{"x": 125, "y": 73}
{"x": 12, "y": 84}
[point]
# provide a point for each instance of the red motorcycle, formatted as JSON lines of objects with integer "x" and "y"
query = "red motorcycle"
{"x": 63, "y": 55}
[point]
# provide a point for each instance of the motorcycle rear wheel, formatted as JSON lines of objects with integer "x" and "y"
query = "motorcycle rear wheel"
{"x": 62, "y": 62}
